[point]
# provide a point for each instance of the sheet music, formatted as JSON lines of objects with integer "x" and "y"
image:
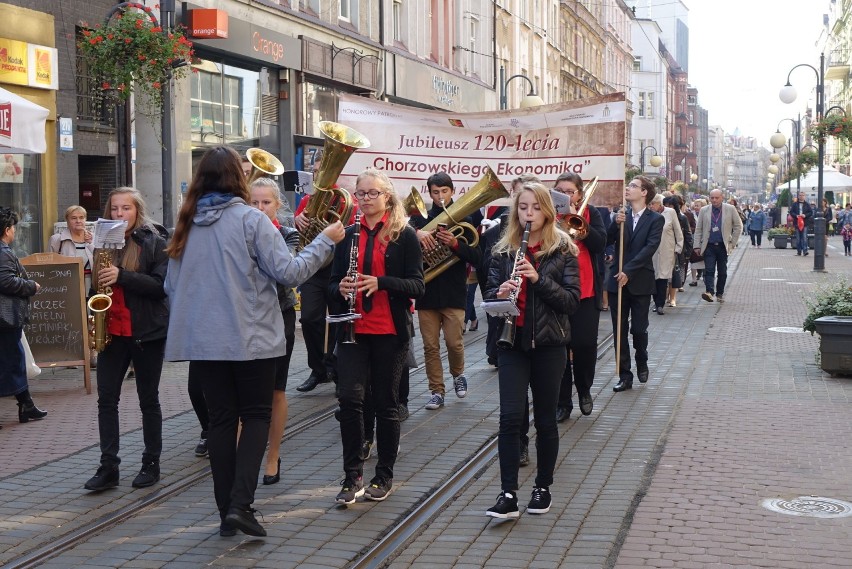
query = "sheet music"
{"x": 561, "y": 202}
{"x": 109, "y": 233}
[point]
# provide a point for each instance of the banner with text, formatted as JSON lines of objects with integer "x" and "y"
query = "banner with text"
{"x": 584, "y": 137}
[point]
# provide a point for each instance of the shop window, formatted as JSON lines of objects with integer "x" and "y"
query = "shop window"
{"x": 19, "y": 189}
{"x": 320, "y": 104}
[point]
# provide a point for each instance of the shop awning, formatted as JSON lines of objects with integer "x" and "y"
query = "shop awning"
{"x": 21, "y": 125}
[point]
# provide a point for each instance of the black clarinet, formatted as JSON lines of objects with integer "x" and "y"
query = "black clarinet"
{"x": 349, "y": 318}
{"x": 507, "y": 336}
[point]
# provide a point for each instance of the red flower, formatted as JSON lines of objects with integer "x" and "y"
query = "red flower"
{"x": 156, "y": 84}
{"x": 110, "y": 36}
{"x": 104, "y": 85}
{"x": 127, "y": 40}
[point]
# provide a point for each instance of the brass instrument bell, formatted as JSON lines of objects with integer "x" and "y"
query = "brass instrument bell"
{"x": 263, "y": 164}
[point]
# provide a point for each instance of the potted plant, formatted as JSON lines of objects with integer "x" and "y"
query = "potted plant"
{"x": 129, "y": 53}
{"x": 830, "y": 315}
{"x": 838, "y": 126}
{"x": 780, "y": 236}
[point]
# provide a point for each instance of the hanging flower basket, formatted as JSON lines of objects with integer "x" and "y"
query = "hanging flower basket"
{"x": 838, "y": 126}
{"x": 131, "y": 54}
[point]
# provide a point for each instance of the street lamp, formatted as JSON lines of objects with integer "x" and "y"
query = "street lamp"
{"x": 655, "y": 160}
{"x": 531, "y": 99}
{"x": 788, "y": 95}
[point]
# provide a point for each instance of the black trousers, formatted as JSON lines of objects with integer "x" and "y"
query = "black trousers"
{"x": 236, "y": 391}
{"x": 580, "y": 368}
{"x": 147, "y": 358}
{"x": 540, "y": 370}
{"x": 373, "y": 367}
{"x": 493, "y": 335}
{"x": 715, "y": 260}
{"x": 314, "y": 305}
{"x": 756, "y": 236}
{"x": 282, "y": 364}
{"x": 196, "y": 397}
{"x": 635, "y": 308}
{"x": 661, "y": 293}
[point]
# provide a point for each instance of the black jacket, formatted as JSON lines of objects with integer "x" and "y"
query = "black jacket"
{"x": 550, "y": 301}
{"x": 403, "y": 277}
{"x": 486, "y": 242}
{"x": 803, "y": 208}
{"x": 143, "y": 289}
{"x": 639, "y": 248}
{"x": 448, "y": 290}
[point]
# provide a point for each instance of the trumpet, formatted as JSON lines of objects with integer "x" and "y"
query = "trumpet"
{"x": 575, "y": 224}
{"x": 349, "y": 317}
{"x": 507, "y": 336}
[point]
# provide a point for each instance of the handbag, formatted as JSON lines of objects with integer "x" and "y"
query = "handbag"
{"x": 33, "y": 370}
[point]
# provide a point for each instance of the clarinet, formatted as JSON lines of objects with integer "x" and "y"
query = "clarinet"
{"x": 507, "y": 336}
{"x": 349, "y": 318}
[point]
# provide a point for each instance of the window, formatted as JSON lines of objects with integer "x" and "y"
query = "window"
{"x": 679, "y": 137}
{"x": 397, "y": 20}
{"x": 473, "y": 56}
{"x": 345, "y": 10}
{"x": 89, "y": 108}
{"x": 649, "y": 109}
{"x": 637, "y": 64}
{"x": 641, "y": 104}
{"x": 224, "y": 105}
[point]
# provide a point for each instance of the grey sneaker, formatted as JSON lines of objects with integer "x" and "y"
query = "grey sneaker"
{"x": 708, "y": 296}
{"x": 460, "y": 385}
{"x": 351, "y": 488}
{"x": 366, "y": 450}
{"x": 379, "y": 489}
{"x": 435, "y": 402}
{"x": 720, "y": 299}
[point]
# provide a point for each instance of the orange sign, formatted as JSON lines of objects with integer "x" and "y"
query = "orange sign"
{"x": 208, "y": 23}
{"x": 13, "y": 62}
{"x": 43, "y": 67}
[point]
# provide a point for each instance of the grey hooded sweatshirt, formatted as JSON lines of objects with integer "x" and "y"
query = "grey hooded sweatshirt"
{"x": 222, "y": 294}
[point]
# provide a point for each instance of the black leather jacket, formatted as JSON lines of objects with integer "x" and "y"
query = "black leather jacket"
{"x": 550, "y": 301}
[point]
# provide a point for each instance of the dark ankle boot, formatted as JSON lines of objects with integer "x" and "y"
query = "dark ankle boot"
{"x": 148, "y": 475}
{"x": 27, "y": 411}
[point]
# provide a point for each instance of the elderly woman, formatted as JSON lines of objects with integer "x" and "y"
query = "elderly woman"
{"x": 75, "y": 241}
{"x": 670, "y": 245}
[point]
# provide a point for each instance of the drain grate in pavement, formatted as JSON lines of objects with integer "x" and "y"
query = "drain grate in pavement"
{"x": 810, "y": 506}
{"x": 787, "y": 329}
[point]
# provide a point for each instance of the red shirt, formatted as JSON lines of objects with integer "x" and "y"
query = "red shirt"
{"x": 119, "y": 314}
{"x": 584, "y": 260}
{"x": 522, "y": 295}
{"x": 379, "y": 320}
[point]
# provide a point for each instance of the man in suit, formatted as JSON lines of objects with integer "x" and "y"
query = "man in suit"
{"x": 717, "y": 231}
{"x": 642, "y": 233}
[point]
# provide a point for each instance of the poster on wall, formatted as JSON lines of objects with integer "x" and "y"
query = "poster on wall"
{"x": 584, "y": 137}
{"x": 11, "y": 169}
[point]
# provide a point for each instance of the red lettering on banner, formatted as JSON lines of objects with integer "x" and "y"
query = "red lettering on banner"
{"x": 6, "y": 119}
{"x": 273, "y": 49}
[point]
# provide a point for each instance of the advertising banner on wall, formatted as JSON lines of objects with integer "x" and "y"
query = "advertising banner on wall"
{"x": 584, "y": 137}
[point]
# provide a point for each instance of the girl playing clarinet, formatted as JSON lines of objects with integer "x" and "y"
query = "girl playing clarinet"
{"x": 387, "y": 273}
{"x": 546, "y": 286}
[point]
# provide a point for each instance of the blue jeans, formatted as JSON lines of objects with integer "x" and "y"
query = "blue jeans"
{"x": 715, "y": 259}
{"x": 802, "y": 240}
{"x": 470, "y": 307}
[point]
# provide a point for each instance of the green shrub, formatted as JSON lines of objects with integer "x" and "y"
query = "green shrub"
{"x": 829, "y": 299}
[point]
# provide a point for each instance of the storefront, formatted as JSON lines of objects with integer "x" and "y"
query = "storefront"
{"x": 28, "y": 69}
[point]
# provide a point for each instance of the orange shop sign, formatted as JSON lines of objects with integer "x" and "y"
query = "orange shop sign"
{"x": 207, "y": 23}
{"x": 13, "y": 62}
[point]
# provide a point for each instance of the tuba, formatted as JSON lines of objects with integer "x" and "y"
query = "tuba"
{"x": 263, "y": 164}
{"x": 485, "y": 191}
{"x": 574, "y": 223}
{"x": 100, "y": 303}
{"x": 414, "y": 204}
{"x": 329, "y": 204}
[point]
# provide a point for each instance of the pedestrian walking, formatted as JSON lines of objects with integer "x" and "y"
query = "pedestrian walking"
{"x": 718, "y": 229}
{"x": 756, "y": 223}
{"x": 802, "y": 214}
{"x": 846, "y": 233}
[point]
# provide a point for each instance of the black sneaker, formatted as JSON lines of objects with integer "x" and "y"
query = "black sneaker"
{"x": 540, "y": 501}
{"x": 506, "y": 506}
{"x": 379, "y": 489}
{"x": 525, "y": 455}
{"x": 366, "y": 450}
{"x": 352, "y": 488}
{"x": 403, "y": 412}
{"x": 106, "y": 477}
{"x": 244, "y": 521}
{"x": 201, "y": 448}
{"x": 227, "y": 530}
{"x": 148, "y": 475}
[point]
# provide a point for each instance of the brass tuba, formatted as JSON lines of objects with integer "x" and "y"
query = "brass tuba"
{"x": 263, "y": 164}
{"x": 485, "y": 191}
{"x": 329, "y": 204}
{"x": 414, "y": 204}
{"x": 100, "y": 303}
{"x": 575, "y": 224}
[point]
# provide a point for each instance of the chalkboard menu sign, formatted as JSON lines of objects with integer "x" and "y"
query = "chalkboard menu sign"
{"x": 58, "y": 331}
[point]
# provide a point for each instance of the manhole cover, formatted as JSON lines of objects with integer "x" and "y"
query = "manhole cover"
{"x": 787, "y": 329}
{"x": 811, "y": 506}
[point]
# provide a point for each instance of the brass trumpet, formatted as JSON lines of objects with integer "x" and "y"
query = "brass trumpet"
{"x": 414, "y": 204}
{"x": 575, "y": 224}
{"x": 263, "y": 164}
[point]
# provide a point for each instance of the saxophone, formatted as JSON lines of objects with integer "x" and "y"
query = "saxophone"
{"x": 507, "y": 336}
{"x": 349, "y": 317}
{"x": 100, "y": 303}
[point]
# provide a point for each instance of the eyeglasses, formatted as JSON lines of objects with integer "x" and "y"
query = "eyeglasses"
{"x": 566, "y": 192}
{"x": 634, "y": 185}
{"x": 372, "y": 194}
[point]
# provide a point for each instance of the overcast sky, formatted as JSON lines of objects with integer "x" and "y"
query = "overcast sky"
{"x": 740, "y": 52}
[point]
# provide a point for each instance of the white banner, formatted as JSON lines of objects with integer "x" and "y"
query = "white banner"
{"x": 583, "y": 137}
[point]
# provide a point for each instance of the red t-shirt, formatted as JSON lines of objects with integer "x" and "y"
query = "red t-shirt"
{"x": 584, "y": 260}
{"x": 119, "y": 314}
{"x": 379, "y": 320}
{"x": 522, "y": 295}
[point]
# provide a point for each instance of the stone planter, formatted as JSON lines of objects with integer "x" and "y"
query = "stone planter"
{"x": 780, "y": 241}
{"x": 835, "y": 339}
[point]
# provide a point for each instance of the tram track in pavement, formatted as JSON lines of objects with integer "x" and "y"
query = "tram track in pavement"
{"x": 79, "y": 535}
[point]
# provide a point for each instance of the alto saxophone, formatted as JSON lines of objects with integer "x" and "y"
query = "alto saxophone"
{"x": 507, "y": 336}
{"x": 100, "y": 303}
{"x": 349, "y": 317}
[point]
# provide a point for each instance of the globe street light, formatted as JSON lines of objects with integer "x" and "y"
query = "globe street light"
{"x": 788, "y": 95}
{"x": 531, "y": 99}
{"x": 655, "y": 160}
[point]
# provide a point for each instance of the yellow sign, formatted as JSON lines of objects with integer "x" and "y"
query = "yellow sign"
{"x": 13, "y": 62}
{"x": 43, "y": 67}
